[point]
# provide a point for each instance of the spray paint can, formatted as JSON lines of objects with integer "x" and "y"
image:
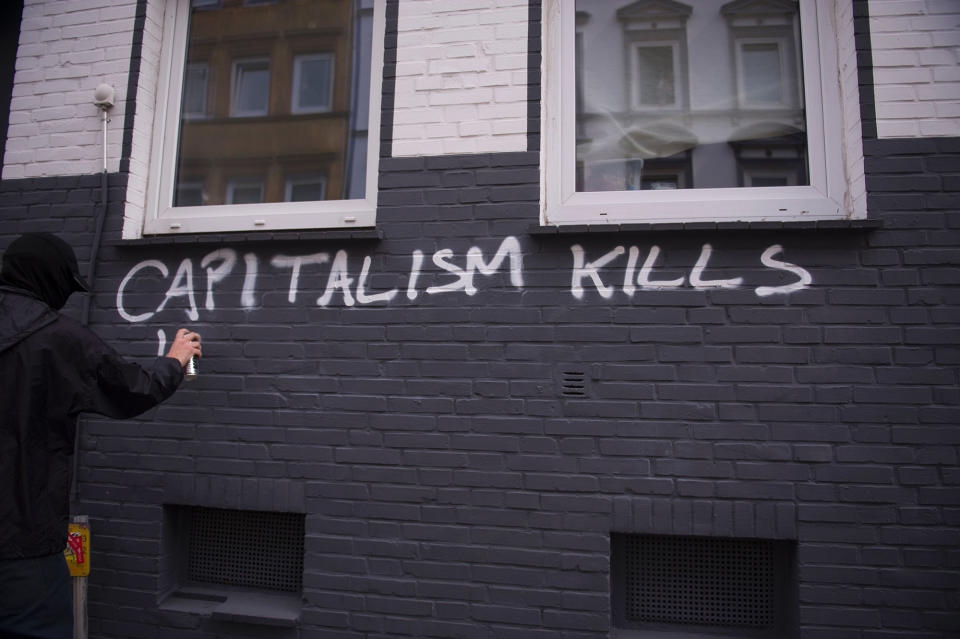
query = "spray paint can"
{"x": 191, "y": 371}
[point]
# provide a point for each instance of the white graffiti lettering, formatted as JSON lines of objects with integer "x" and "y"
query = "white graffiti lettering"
{"x": 696, "y": 275}
{"x": 157, "y": 264}
{"x": 294, "y": 264}
{"x": 638, "y": 275}
{"x": 183, "y": 287}
{"x": 767, "y": 260}
{"x": 509, "y": 248}
{"x": 583, "y": 269}
{"x": 227, "y": 258}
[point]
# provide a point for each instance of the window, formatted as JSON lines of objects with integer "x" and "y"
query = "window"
{"x": 247, "y": 190}
{"x": 251, "y": 87}
{"x": 305, "y": 188}
{"x": 655, "y": 75}
{"x": 312, "y": 83}
{"x": 661, "y": 111}
{"x": 760, "y": 73}
{"x": 195, "y": 87}
{"x": 190, "y": 193}
{"x": 263, "y": 124}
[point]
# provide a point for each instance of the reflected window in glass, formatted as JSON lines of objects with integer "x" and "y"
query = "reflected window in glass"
{"x": 312, "y": 83}
{"x": 239, "y": 73}
{"x": 245, "y": 191}
{"x": 251, "y": 87}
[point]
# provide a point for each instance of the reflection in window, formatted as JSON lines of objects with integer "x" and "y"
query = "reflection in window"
{"x": 312, "y": 82}
{"x": 766, "y": 180}
{"x": 247, "y": 190}
{"x": 251, "y": 87}
{"x": 305, "y": 188}
{"x": 713, "y": 90}
{"x": 195, "y": 86}
{"x": 760, "y": 69}
{"x": 654, "y": 79}
{"x": 246, "y": 72}
{"x": 190, "y": 193}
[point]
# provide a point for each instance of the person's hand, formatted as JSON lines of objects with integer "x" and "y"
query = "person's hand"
{"x": 185, "y": 345}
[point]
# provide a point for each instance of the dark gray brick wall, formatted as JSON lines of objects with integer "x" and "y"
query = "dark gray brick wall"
{"x": 452, "y": 489}
{"x": 452, "y": 484}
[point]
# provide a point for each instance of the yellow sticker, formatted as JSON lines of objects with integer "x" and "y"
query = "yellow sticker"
{"x": 77, "y": 551}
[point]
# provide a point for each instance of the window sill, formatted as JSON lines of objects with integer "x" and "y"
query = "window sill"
{"x": 365, "y": 233}
{"x": 674, "y": 227}
{"x": 237, "y": 606}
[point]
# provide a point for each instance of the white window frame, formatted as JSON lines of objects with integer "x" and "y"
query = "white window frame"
{"x": 678, "y": 88}
{"x": 159, "y": 214}
{"x": 298, "y": 60}
{"x": 832, "y": 192}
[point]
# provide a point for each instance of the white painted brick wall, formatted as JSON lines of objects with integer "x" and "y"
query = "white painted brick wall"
{"x": 140, "y": 150}
{"x": 66, "y": 49}
{"x": 461, "y": 80}
{"x": 461, "y": 77}
{"x": 916, "y": 67}
{"x": 850, "y": 107}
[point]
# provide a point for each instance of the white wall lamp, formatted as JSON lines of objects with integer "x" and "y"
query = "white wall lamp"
{"x": 103, "y": 97}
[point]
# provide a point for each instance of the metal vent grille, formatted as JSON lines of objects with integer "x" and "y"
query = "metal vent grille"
{"x": 246, "y": 548}
{"x": 700, "y": 581}
{"x": 573, "y": 383}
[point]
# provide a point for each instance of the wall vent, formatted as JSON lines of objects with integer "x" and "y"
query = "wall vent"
{"x": 246, "y": 548}
{"x": 573, "y": 382}
{"x": 704, "y": 582}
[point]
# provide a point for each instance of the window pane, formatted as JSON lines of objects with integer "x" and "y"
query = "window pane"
{"x": 195, "y": 90}
{"x": 260, "y": 64}
{"x": 311, "y": 83}
{"x": 305, "y": 188}
{"x": 245, "y": 191}
{"x": 761, "y": 72}
{"x": 251, "y": 88}
{"x": 189, "y": 193}
{"x": 655, "y": 75}
{"x": 673, "y": 95}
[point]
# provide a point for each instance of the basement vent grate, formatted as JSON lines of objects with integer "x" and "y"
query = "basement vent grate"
{"x": 700, "y": 581}
{"x": 246, "y": 548}
{"x": 573, "y": 383}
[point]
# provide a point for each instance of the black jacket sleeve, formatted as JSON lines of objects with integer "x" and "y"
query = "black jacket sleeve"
{"x": 126, "y": 389}
{"x": 114, "y": 386}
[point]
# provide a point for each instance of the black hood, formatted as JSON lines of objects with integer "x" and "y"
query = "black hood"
{"x": 45, "y": 266}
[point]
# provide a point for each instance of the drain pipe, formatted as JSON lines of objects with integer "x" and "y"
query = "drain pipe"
{"x": 79, "y": 535}
{"x": 103, "y": 98}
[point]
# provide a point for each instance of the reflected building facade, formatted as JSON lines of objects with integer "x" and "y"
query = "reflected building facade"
{"x": 274, "y": 102}
{"x": 679, "y": 96}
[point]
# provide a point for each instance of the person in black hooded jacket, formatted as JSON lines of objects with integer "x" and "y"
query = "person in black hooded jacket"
{"x": 53, "y": 368}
